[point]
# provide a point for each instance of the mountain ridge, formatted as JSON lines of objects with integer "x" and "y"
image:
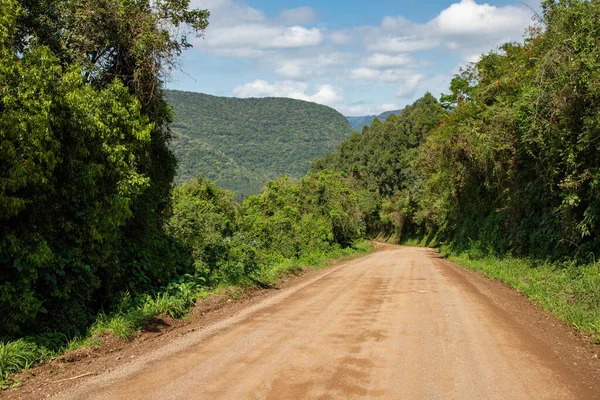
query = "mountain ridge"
{"x": 359, "y": 122}
{"x": 241, "y": 143}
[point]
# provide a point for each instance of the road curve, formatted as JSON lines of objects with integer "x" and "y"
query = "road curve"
{"x": 397, "y": 324}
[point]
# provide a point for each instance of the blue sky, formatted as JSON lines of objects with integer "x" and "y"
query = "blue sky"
{"x": 358, "y": 57}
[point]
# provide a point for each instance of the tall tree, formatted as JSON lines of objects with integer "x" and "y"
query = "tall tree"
{"x": 85, "y": 171}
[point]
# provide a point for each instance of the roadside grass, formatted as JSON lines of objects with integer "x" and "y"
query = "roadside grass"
{"x": 131, "y": 313}
{"x": 569, "y": 291}
{"x": 16, "y": 356}
{"x": 421, "y": 241}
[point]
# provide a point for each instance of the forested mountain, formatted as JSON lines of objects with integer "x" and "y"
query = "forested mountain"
{"x": 243, "y": 143}
{"x": 358, "y": 123}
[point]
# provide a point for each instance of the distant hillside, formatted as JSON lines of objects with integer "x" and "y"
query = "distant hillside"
{"x": 358, "y": 123}
{"x": 242, "y": 143}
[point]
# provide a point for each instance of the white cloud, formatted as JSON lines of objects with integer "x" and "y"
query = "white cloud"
{"x": 409, "y": 86}
{"x": 240, "y": 52}
{"x": 403, "y": 44}
{"x": 297, "y": 36}
{"x": 367, "y": 109}
{"x": 341, "y": 38}
{"x": 396, "y": 23}
{"x": 256, "y": 36}
{"x": 473, "y": 58}
{"x": 324, "y": 94}
{"x": 304, "y": 68}
{"x": 228, "y": 12}
{"x": 470, "y": 18}
{"x": 379, "y": 60}
{"x": 293, "y": 69}
{"x": 298, "y": 16}
{"x": 465, "y": 26}
{"x": 238, "y": 30}
{"x": 382, "y": 76}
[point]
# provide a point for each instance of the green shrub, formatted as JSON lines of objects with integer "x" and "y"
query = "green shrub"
{"x": 16, "y": 356}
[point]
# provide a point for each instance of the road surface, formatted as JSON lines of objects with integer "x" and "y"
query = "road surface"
{"x": 400, "y": 323}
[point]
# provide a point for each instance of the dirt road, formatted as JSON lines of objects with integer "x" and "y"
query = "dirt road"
{"x": 398, "y": 324}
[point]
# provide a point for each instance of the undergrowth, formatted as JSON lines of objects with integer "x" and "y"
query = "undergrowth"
{"x": 16, "y": 356}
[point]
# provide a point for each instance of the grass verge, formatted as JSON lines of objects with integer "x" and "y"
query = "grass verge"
{"x": 130, "y": 315}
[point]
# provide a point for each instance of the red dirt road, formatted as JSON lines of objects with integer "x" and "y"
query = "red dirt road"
{"x": 400, "y": 323}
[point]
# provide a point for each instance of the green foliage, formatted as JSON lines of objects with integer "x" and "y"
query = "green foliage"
{"x": 202, "y": 216}
{"x": 380, "y": 161}
{"x": 205, "y": 220}
{"x": 515, "y": 165}
{"x": 287, "y": 221}
{"x": 243, "y": 143}
{"x": 68, "y": 206}
{"x": 16, "y": 356}
{"x": 380, "y": 158}
{"x": 292, "y": 219}
{"x": 131, "y": 313}
{"x": 85, "y": 172}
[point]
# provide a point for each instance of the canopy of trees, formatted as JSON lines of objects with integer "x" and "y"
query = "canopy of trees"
{"x": 85, "y": 171}
{"x": 513, "y": 166}
{"x": 287, "y": 221}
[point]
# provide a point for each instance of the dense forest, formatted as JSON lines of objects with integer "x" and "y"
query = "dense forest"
{"x": 95, "y": 238}
{"x": 358, "y": 123}
{"x": 242, "y": 143}
{"x": 85, "y": 169}
{"x": 510, "y": 159}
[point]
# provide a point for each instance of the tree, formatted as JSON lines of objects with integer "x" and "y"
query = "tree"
{"x": 85, "y": 172}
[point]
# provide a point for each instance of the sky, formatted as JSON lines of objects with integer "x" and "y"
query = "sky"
{"x": 359, "y": 57}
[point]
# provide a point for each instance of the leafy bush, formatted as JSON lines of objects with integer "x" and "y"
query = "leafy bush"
{"x": 289, "y": 219}
{"x": 515, "y": 165}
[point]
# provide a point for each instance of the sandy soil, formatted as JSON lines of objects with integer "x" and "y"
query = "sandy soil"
{"x": 401, "y": 323}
